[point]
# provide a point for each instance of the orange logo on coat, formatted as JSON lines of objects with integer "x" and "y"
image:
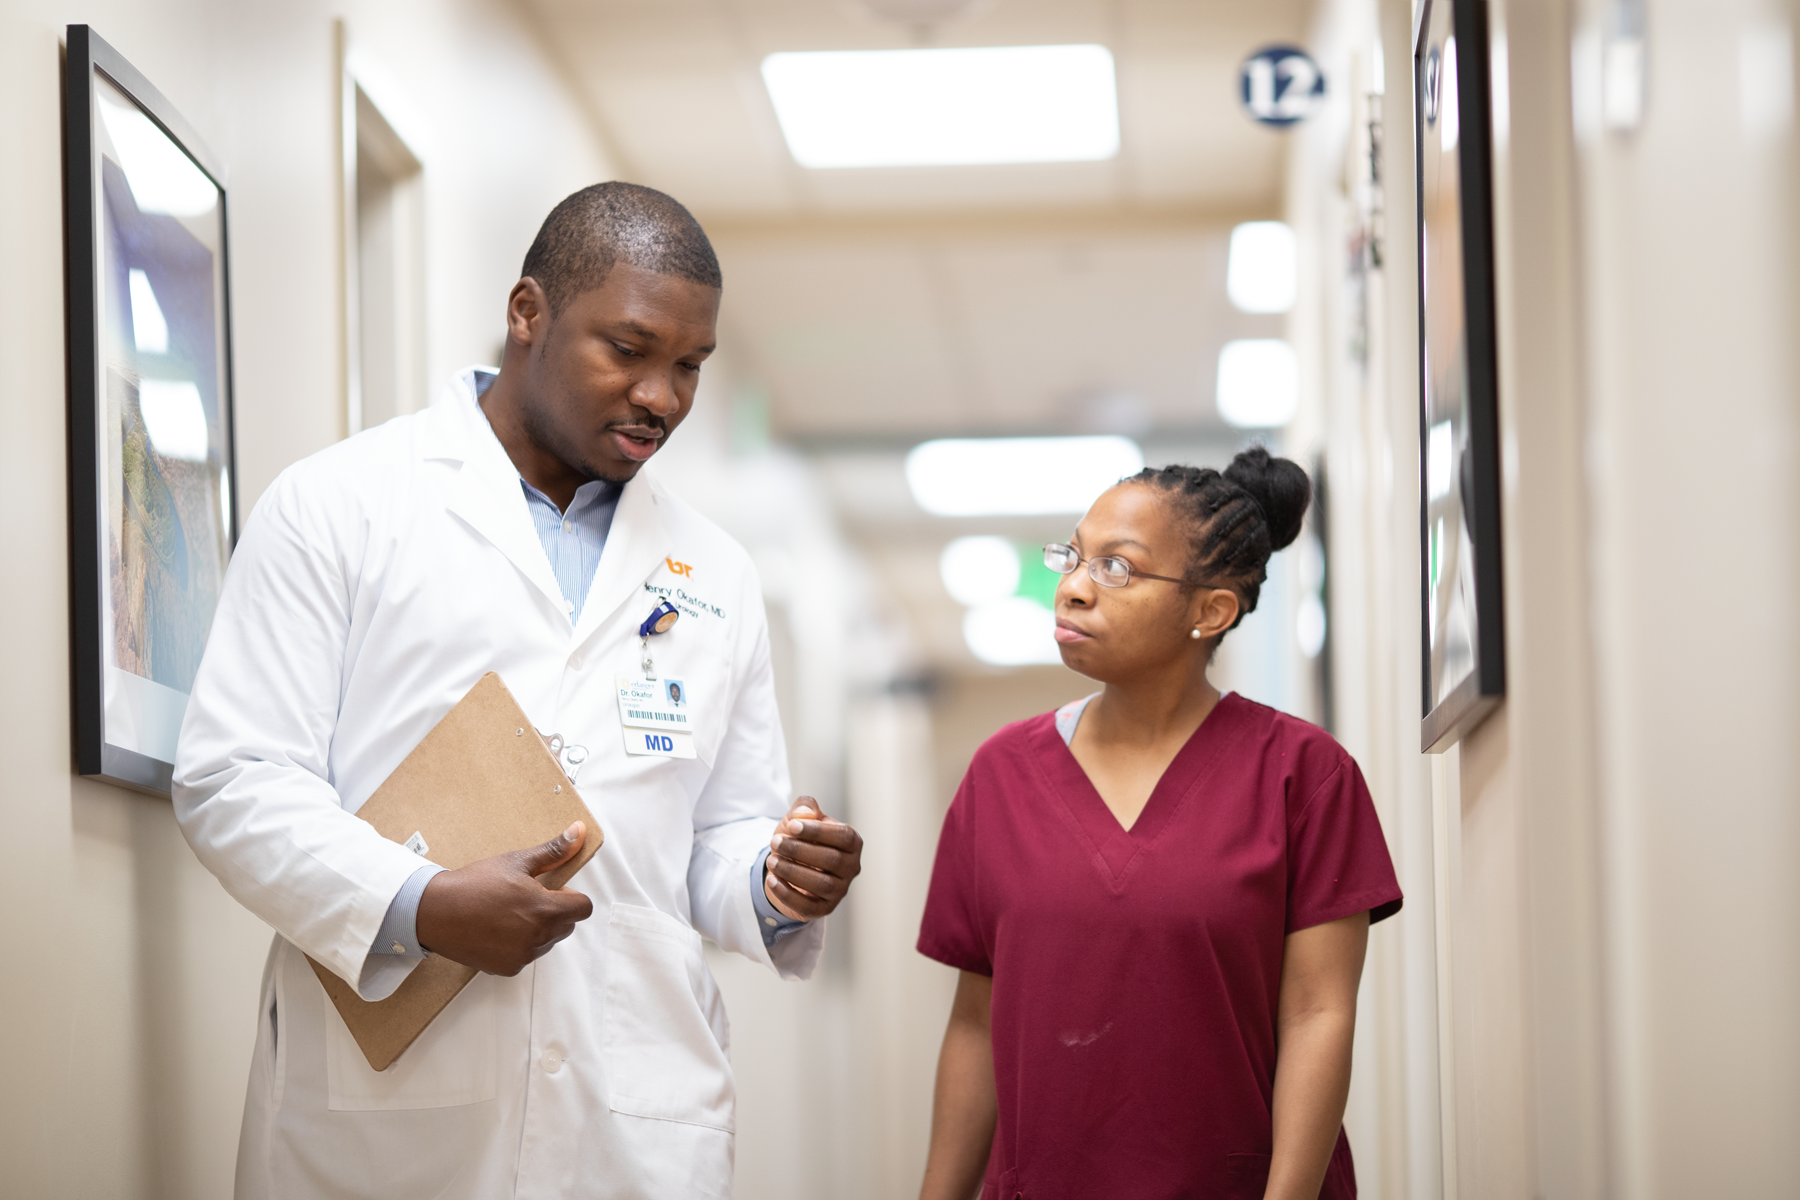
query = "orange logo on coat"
{"x": 680, "y": 568}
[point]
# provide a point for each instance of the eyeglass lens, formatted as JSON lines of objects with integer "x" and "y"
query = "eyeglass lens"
{"x": 1109, "y": 572}
{"x": 1106, "y": 571}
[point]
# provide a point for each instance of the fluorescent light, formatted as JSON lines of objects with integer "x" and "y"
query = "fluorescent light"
{"x": 978, "y": 477}
{"x": 1013, "y": 632}
{"x": 1262, "y": 275}
{"x": 978, "y": 570}
{"x": 920, "y": 108}
{"x": 149, "y": 328}
{"x": 162, "y": 178}
{"x": 174, "y": 418}
{"x": 1259, "y": 383}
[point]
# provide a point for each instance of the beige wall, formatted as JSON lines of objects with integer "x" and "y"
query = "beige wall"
{"x": 1693, "y": 406}
{"x": 127, "y": 999}
{"x": 1616, "y": 951}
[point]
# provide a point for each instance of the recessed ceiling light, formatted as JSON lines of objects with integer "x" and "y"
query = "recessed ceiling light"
{"x": 1262, "y": 275}
{"x": 1259, "y": 383}
{"x": 978, "y": 570}
{"x": 978, "y": 477}
{"x": 960, "y": 107}
{"x": 1014, "y": 632}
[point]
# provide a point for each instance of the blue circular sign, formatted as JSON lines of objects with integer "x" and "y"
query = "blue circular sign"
{"x": 1281, "y": 85}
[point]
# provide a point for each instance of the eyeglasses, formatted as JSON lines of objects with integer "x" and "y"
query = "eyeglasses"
{"x": 1106, "y": 570}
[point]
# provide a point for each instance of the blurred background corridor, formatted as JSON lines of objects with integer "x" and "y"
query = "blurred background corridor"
{"x": 1590, "y": 990}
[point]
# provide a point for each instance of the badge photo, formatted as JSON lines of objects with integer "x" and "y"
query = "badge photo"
{"x": 656, "y": 716}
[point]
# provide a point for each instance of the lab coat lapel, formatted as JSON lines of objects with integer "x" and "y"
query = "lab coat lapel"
{"x": 637, "y": 542}
{"x": 486, "y": 494}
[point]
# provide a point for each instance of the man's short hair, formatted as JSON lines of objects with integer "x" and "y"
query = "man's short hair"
{"x": 588, "y": 232}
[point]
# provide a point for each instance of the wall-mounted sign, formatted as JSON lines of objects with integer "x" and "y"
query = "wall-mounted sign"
{"x": 1280, "y": 85}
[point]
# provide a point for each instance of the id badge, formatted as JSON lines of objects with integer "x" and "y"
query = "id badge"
{"x": 656, "y": 716}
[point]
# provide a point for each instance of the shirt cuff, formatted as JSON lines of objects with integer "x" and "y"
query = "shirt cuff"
{"x": 771, "y": 921}
{"x": 396, "y": 950}
{"x": 399, "y": 932}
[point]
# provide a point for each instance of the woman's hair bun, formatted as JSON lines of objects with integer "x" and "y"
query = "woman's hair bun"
{"x": 1279, "y": 486}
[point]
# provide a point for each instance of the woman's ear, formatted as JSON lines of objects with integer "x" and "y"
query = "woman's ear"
{"x": 1213, "y": 611}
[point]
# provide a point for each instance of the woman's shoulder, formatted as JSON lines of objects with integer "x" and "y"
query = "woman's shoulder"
{"x": 1311, "y": 749}
{"x": 1014, "y": 753}
{"x": 1018, "y": 738}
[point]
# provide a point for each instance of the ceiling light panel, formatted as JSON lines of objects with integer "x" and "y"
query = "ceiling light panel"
{"x": 976, "y": 477}
{"x": 957, "y": 107}
{"x": 979, "y": 570}
{"x": 1262, "y": 275}
{"x": 1259, "y": 383}
{"x": 1014, "y": 632}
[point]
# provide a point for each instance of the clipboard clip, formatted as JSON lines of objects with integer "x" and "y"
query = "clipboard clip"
{"x": 568, "y": 757}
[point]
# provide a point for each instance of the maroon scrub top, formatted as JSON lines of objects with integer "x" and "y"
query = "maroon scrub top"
{"x": 1136, "y": 972}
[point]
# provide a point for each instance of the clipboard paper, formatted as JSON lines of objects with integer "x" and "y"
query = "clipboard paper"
{"x": 480, "y": 784}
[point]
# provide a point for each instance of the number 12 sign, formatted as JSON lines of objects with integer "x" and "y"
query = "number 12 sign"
{"x": 1280, "y": 85}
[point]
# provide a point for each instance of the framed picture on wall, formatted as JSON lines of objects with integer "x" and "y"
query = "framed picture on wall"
{"x": 152, "y": 469}
{"x": 1464, "y": 660}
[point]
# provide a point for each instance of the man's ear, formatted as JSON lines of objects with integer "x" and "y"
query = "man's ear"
{"x": 1213, "y": 611}
{"x": 527, "y": 313}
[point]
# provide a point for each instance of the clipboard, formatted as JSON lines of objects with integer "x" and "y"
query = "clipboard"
{"x": 481, "y": 783}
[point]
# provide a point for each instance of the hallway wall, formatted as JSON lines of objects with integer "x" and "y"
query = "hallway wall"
{"x": 127, "y": 1001}
{"x": 1693, "y": 411}
{"x": 1349, "y": 199}
{"x": 1587, "y": 994}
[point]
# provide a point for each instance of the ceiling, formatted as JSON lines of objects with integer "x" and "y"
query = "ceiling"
{"x": 889, "y": 305}
{"x": 674, "y": 87}
{"x": 900, "y": 331}
{"x": 876, "y": 308}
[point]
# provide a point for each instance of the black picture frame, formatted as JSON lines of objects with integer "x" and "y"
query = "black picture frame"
{"x": 1461, "y": 620}
{"x": 152, "y": 428}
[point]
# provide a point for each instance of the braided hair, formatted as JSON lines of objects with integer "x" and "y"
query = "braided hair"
{"x": 1236, "y": 518}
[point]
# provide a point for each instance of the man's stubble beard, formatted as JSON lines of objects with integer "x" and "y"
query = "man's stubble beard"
{"x": 545, "y": 436}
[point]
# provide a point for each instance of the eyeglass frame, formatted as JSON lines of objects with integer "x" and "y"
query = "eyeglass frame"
{"x": 1131, "y": 572}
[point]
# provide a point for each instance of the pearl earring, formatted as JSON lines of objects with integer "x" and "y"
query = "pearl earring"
{"x": 1195, "y": 634}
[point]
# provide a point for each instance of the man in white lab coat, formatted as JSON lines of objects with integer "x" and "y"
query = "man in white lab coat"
{"x": 508, "y": 528}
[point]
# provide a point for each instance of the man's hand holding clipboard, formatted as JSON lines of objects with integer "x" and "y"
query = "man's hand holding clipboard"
{"x": 495, "y": 916}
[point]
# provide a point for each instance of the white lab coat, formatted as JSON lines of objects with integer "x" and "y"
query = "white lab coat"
{"x": 374, "y": 584}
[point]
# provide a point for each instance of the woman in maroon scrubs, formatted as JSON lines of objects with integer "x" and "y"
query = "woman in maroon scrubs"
{"x": 1158, "y": 897}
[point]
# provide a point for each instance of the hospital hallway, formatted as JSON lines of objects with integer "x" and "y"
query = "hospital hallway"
{"x": 981, "y": 259}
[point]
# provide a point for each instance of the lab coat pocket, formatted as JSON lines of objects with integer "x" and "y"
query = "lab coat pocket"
{"x": 453, "y": 1062}
{"x": 666, "y": 1036}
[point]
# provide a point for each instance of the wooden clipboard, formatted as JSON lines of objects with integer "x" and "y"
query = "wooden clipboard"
{"x": 481, "y": 783}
